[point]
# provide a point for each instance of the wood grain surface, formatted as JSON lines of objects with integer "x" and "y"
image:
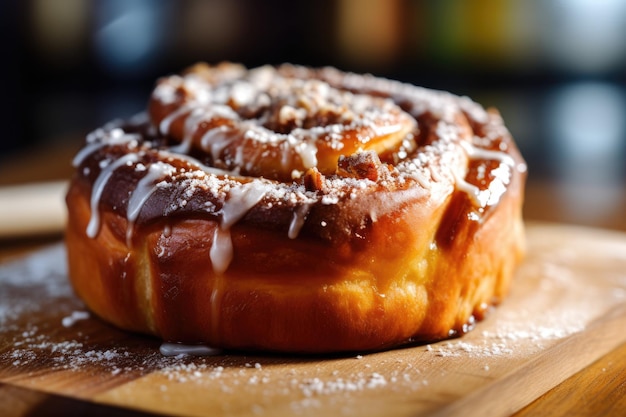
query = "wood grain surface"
{"x": 566, "y": 311}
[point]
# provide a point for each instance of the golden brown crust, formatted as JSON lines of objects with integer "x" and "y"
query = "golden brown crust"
{"x": 371, "y": 256}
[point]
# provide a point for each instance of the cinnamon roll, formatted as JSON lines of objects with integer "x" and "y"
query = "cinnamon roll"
{"x": 294, "y": 209}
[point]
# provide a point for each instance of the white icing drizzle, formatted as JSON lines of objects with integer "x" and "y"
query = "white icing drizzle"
{"x": 164, "y": 126}
{"x": 483, "y": 198}
{"x": 177, "y": 349}
{"x": 239, "y": 156}
{"x": 144, "y": 189}
{"x": 240, "y": 201}
{"x": 474, "y": 152}
{"x": 478, "y": 197}
{"x": 215, "y": 141}
{"x": 297, "y": 221}
{"x": 386, "y": 130}
{"x": 299, "y": 141}
{"x": 193, "y": 120}
{"x": 95, "y": 141}
{"x": 421, "y": 178}
{"x": 98, "y": 187}
{"x": 307, "y": 151}
{"x": 191, "y": 123}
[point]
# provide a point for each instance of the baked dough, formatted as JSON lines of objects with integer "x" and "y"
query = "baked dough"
{"x": 293, "y": 209}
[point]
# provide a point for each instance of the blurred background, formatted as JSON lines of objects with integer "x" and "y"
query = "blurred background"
{"x": 556, "y": 69}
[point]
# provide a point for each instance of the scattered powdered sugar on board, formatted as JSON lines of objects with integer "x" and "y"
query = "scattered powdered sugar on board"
{"x": 472, "y": 350}
{"x": 317, "y": 386}
{"x": 508, "y": 335}
{"x": 40, "y": 351}
{"x": 70, "y": 320}
{"x": 38, "y": 270}
{"x": 306, "y": 387}
{"x": 43, "y": 325}
{"x": 49, "y": 350}
{"x": 44, "y": 274}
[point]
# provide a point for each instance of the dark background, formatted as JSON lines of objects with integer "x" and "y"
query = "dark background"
{"x": 555, "y": 69}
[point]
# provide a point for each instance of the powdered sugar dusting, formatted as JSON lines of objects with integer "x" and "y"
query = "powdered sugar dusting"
{"x": 316, "y": 386}
{"x": 465, "y": 349}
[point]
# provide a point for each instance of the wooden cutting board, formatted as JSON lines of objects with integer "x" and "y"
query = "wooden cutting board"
{"x": 567, "y": 308}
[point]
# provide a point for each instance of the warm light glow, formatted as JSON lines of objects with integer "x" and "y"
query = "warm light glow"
{"x": 368, "y": 31}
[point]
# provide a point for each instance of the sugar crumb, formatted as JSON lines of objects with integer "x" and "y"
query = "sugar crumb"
{"x": 70, "y": 320}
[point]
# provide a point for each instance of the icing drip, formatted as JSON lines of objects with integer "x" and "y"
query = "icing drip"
{"x": 307, "y": 153}
{"x": 241, "y": 199}
{"x": 221, "y": 253}
{"x": 98, "y": 187}
{"x": 144, "y": 189}
{"x": 299, "y": 216}
{"x": 286, "y": 155}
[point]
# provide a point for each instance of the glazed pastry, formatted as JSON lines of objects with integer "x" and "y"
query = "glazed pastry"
{"x": 296, "y": 210}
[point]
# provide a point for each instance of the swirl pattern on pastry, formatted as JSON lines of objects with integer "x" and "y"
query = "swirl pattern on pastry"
{"x": 296, "y": 209}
